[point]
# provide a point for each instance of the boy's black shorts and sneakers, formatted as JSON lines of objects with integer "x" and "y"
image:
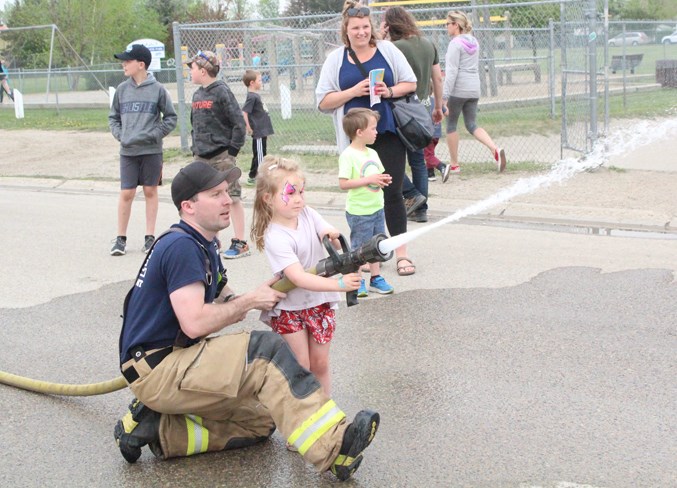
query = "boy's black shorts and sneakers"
{"x": 141, "y": 115}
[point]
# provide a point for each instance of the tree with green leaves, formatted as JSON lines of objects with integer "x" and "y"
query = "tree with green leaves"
{"x": 269, "y": 9}
{"x": 305, "y": 7}
{"x": 91, "y": 30}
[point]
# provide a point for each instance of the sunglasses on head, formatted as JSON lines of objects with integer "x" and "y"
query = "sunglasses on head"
{"x": 204, "y": 56}
{"x": 358, "y": 12}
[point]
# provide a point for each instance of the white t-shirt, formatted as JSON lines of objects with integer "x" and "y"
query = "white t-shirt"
{"x": 285, "y": 246}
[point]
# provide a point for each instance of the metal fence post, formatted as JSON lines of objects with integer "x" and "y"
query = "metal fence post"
{"x": 551, "y": 67}
{"x": 49, "y": 69}
{"x": 181, "y": 96}
{"x": 625, "y": 80}
{"x": 592, "y": 69}
{"x": 606, "y": 66}
{"x": 564, "y": 136}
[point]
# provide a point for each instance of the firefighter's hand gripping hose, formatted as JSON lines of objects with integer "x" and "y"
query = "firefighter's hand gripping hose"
{"x": 347, "y": 262}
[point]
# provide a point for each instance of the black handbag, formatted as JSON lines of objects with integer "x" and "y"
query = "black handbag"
{"x": 413, "y": 122}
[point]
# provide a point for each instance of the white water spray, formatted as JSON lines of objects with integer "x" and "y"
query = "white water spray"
{"x": 616, "y": 144}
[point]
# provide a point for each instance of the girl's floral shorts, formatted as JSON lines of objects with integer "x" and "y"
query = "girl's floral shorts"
{"x": 320, "y": 321}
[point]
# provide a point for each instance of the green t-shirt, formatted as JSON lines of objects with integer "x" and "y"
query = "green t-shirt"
{"x": 354, "y": 164}
{"x": 422, "y": 56}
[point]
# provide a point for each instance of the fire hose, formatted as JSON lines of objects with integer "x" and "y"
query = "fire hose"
{"x": 346, "y": 262}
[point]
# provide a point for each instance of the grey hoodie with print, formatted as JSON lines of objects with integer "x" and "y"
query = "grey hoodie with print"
{"x": 462, "y": 78}
{"x": 140, "y": 116}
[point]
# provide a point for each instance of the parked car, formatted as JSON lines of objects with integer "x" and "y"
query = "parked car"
{"x": 671, "y": 39}
{"x": 632, "y": 38}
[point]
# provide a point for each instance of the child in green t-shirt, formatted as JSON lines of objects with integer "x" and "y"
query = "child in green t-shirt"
{"x": 361, "y": 173}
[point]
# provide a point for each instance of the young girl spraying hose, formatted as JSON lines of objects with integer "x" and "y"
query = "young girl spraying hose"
{"x": 291, "y": 234}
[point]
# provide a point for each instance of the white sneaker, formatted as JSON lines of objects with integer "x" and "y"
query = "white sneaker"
{"x": 499, "y": 156}
{"x": 446, "y": 171}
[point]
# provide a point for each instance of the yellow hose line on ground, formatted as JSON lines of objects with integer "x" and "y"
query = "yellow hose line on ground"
{"x": 284, "y": 285}
{"x": 62, "y": 389}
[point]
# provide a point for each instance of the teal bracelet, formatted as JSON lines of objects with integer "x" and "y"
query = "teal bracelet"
{"x": 342, "y": 285}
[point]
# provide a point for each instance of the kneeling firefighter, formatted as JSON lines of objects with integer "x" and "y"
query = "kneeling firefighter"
{"x": 196, "y": 395}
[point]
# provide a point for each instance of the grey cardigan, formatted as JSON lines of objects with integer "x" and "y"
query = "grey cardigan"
{"x": 329, "y": 81}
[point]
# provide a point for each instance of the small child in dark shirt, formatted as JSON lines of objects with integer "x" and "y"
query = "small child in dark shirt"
{"x": 259, "y": 125}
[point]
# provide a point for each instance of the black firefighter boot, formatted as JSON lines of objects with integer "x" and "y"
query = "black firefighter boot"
{"x": 139, "y": 426}
{"x": 356, "y": 439}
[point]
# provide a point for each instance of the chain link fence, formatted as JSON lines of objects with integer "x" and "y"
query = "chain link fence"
{"x": 549, "y": 69}
{"x": 640, "y": 53}
{"x": 521, "y": 82}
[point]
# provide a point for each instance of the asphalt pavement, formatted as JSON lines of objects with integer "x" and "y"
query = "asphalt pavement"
{"x": 517, "y": 356}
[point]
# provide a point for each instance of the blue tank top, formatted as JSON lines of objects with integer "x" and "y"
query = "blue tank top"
{"x": 350, "y": 75}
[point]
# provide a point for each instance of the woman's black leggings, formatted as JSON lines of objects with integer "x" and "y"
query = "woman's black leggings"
{"x": 393, "y": 154}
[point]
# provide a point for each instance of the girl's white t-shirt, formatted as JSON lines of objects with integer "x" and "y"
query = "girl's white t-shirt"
{"x": 285, "y": 246}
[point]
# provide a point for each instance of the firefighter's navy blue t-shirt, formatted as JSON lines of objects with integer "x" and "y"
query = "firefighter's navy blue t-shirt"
{"x": 175, "y": 261}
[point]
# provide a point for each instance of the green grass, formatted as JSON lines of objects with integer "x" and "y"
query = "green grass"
{"x": 577, "y": 57}
{"x": 307, "y": 128}
{"x": 656, "y": 103}
{"x": 314, "y": 128}
{"x": 651, "y": 52}
{"x": 314, "y": 163}
{"x": 85, "y": 119}
{"x": 175, "y": 155}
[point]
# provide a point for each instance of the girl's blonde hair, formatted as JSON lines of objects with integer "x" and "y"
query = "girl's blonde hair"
{"x": 344, "y": 23}
{"x": 268, "y": 179}
{"x": 462, "y": 20}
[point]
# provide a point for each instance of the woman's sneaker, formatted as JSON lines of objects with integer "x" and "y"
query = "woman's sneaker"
{"x": 356, "y": 439}
{"x": 380, "y": 285}
{"x": 431, "y": 174}
{"x": 237, "y": 249}
{"x": 445, "y": 169}
{"x": 362, "y": 290}
{"x": 499, "y": 156}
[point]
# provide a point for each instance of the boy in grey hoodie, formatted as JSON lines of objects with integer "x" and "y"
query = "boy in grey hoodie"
{"x": 141, "y": 115}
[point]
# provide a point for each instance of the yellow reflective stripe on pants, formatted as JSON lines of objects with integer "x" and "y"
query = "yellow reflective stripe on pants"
{"x": 316, "y": 426}
{"x": 128, "y": 422}
{"x": 198, "y": 436}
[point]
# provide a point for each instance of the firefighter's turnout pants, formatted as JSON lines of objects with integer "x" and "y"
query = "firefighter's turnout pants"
{"x": 233, "y": 391}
